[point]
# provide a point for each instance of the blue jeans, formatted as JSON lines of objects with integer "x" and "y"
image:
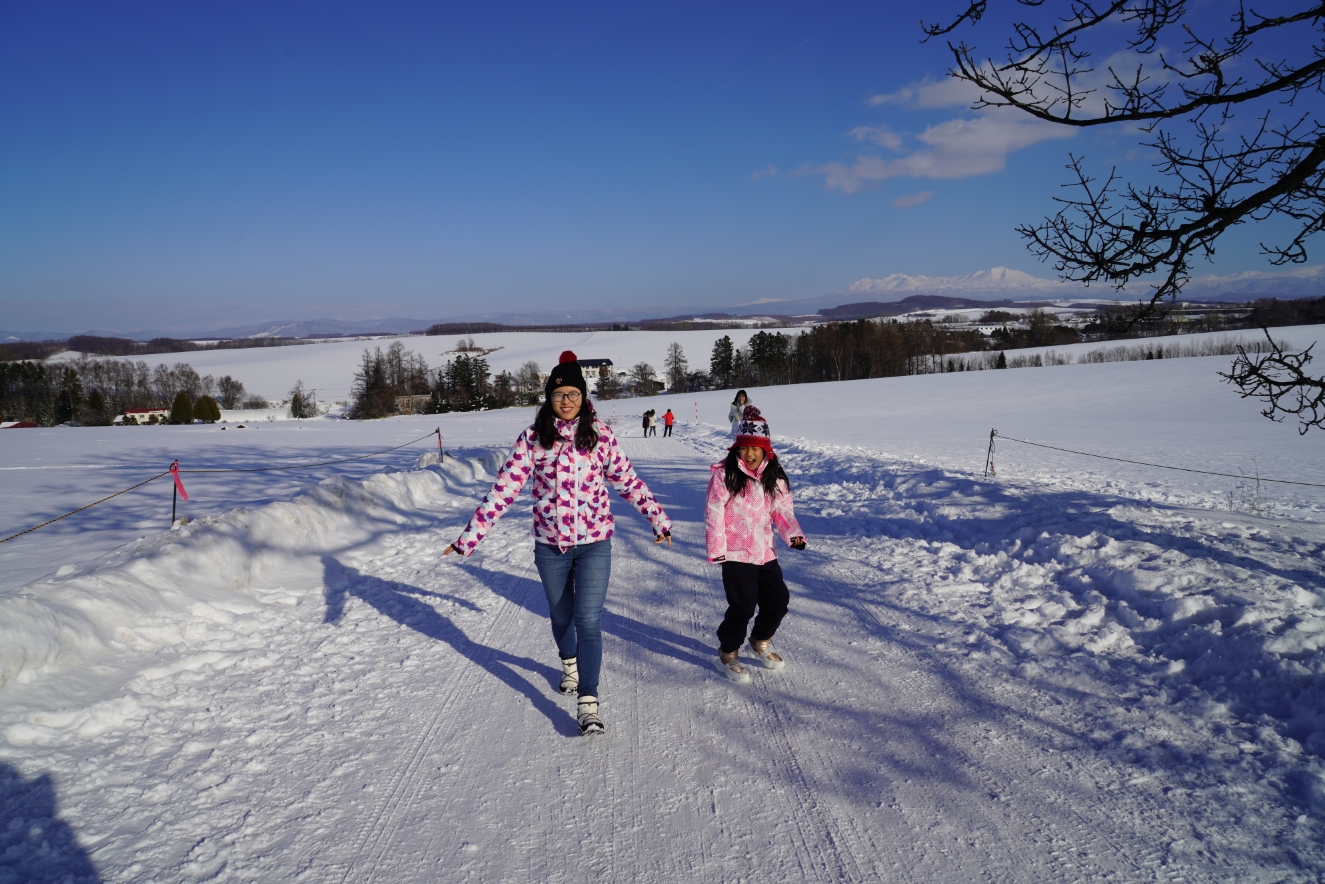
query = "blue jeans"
{"x": 576, "y": 585}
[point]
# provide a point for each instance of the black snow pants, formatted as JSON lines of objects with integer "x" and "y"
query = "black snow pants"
{"x": 748, "y": 586}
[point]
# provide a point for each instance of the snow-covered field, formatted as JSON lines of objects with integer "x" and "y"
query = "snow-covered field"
{"x": 329, "y": 367}
{"x": 1078, "y": 670}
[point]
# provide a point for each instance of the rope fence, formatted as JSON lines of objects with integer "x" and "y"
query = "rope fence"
{"x": 989, "y": 462}
{"x": 174, "y": 471}
{"x": 320, "y": 463}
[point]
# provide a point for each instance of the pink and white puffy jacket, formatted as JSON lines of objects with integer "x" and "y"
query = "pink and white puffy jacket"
{"x": 740, "y": 528}
{"x": 571, "y": 504}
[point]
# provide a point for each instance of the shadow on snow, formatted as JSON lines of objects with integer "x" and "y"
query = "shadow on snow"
{"x": 35, "y": 844}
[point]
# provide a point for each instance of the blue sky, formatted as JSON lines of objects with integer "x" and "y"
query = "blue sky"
{"x": 176, "y": 165}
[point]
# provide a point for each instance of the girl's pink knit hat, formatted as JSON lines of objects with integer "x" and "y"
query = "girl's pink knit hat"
{"x": 753, "y": 431}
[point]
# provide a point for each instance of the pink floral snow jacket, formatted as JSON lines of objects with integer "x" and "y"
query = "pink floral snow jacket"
{"x": 571, "y": 505}
{"x": 741, "y": 528}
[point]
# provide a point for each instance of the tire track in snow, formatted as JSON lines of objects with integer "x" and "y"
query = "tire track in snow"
{"x": 407, "y": 783}
{"x": 807, "y": 762}
{"x": 1126, "y": 860}
{"x": 625, "y": 726}
{"x": 832, "y": 858}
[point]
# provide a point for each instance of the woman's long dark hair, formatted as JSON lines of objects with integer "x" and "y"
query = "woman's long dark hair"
{"x": 736, "y": 478}
{"x": 545, "y": 424}
{"x": 736, "y": 400}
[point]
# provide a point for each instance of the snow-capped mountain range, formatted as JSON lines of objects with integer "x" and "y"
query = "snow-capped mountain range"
{"x": 994, "y": 284}
{"x": 1003, "y": 282}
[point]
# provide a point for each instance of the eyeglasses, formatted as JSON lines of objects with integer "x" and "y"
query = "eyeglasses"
{"x": 567, "y": 397}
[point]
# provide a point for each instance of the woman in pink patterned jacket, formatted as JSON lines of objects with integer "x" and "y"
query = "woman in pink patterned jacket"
{"x": 571, "y": 457}
{"x": 749, "y": 498}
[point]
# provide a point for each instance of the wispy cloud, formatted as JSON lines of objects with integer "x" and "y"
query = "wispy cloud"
{"x": 1091, "y": 88}
{"x": 948, "y": 92}
{"x": 766, "y": 172}
{"x": 912, "y": 200}
{"x": 880, "y": 135}
{"x": 957, "y": 148}
{"x": 977, "y": 143}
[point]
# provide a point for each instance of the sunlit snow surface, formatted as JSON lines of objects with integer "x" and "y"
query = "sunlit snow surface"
{"x": 1077, "y": 670}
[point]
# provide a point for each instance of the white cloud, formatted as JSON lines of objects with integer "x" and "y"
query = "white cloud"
{"x": 948, "y": 92}
{"x": 1092, "y": 88}
{"x": 766, "y": 172}
{"x": 880, "y": 135}
{"x": 910, "y": 201}
{"x": 957, "y": 148}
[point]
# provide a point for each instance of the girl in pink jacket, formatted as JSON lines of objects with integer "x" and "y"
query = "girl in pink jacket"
{"x": 748, "y": 499}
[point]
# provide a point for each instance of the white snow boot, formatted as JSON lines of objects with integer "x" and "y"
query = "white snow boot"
{"x": 590, "y": 723}
{"x": 764, "y": 651}
{"x": 570, "y": 676}
{"x": 730, "y": 666}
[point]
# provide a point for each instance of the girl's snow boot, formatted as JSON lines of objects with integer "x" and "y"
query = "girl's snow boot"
{"x": 570, "y": 676}
{"x": 730, "y": 666}
{"x": 590, "y": 723}
{"x": 764, "y": 651}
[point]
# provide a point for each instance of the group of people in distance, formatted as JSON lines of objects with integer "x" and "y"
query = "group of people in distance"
{"x": 651, "y": 422}
{"x": 571, "y": 457}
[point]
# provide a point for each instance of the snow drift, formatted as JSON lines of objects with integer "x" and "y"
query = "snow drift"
{"x": 193, "y": 584}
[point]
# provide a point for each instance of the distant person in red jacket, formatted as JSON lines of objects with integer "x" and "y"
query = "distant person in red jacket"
{"x": 668, "y": 420}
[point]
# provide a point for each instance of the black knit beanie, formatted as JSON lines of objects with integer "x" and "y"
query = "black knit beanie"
{"x": 566, "y": 373}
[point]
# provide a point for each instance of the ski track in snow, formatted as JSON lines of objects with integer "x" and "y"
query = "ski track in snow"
{"x": 986, "y": 681}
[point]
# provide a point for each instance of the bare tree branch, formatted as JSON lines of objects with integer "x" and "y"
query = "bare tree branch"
{"x": 1219, "y": 174}
{"x": 1280, "y": 378}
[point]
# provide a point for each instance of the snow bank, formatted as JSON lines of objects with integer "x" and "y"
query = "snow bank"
{"x": 191, "y": 586}
{"x": 1226, "y": 609}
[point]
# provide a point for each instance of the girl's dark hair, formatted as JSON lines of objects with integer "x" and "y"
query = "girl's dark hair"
{"x": 545, "y": 424}
{"x": 736, "y": 478}
{"x": 737, "y": 397}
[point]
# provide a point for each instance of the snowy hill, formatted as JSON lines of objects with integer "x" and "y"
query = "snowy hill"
{"x": 1080, "y": 669}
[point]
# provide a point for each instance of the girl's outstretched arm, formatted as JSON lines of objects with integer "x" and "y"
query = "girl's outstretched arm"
{"x": 784, "y": 515}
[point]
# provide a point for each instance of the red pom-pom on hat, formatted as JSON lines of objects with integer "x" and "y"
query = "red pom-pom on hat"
{"x": 567, "y": 356}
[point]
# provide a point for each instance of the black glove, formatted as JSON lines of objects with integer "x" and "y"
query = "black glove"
{"x": 798, "y": 543}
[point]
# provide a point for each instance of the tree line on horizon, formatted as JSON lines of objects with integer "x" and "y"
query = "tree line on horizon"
{"x": 98, "y": 345}
{"x": 834, "y": 351}
{"x": 93, "y": 392}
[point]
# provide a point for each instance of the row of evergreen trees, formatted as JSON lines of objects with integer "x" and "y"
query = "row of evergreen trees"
{"x": 184, "y": 411}
{"x": 831, "y": 352}
{"x": 464, "y": 383}
{"x": 94, "y": 391}
{"x": 837, "y": 351}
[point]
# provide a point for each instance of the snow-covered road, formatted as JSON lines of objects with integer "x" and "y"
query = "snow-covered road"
{"x": 987, "y": 681}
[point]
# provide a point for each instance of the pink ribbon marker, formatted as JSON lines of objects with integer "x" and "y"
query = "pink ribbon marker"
{"x": 179, "y": 486}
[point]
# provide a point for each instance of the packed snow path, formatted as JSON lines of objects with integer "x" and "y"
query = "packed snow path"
{"x": 985, "y": 682}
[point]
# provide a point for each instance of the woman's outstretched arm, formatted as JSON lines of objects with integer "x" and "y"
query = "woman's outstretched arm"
{"x": 510, "y": 479}
{"x": 620, "y": 474}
